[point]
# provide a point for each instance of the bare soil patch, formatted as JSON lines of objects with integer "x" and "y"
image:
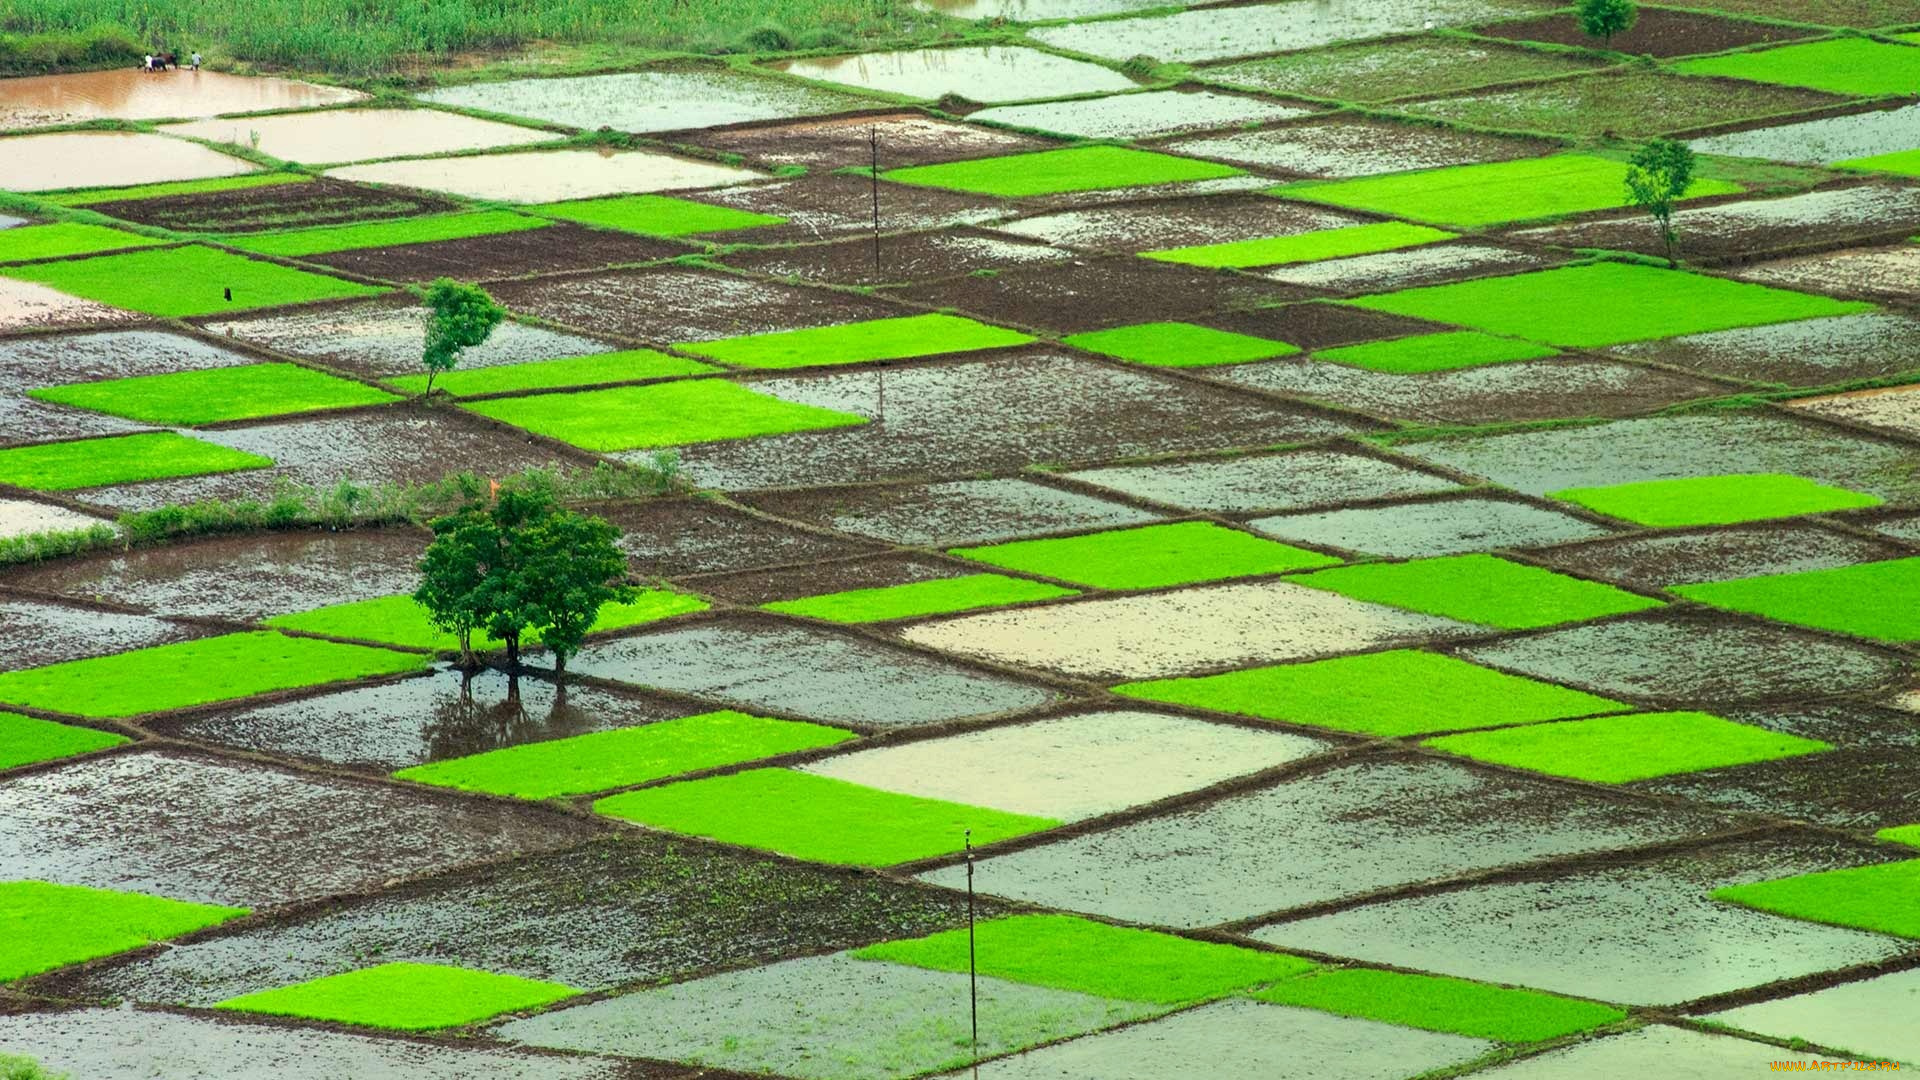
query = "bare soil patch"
{"x": 902, "y": 139}
{"x": 1098, "y": 293}
{"x": 674, "y": 537}
{"x": 823, "y": 206}
{"x": 275, "y": 206}
{"x": 1654, "y": 33}
{"x": 671, "y": 305}
{"x": 914, "y": 257}
{"x": 485, "y": 258}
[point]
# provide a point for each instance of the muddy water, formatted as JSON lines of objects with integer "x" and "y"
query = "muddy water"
{"x": 18, "y": 516}
{"x": 1863, "y": 1016}
{"x": 1219, "y": 33}
{"x": 552, "y": 176}
{"x": 992, "y": 73}
{"x": 650, "y": 100}
{"x": 1809, "y": 353}
{"x": 131, "y": 94}
{"x": 78, "y": 159}
{"x": 25, "y": 305}
{"x": 1036, "y": 10}
{"x": 1134, "y": 116}
{"x": 1347, "y": 147}
{"x": 1293, "y": 481}
{"x": 1449, "y": 527}
{"x": 34, "y": 634}
{"x": 1838, "y": 138}
{"x": 361, "y": 134}
{"x": 1896, "y": 408}
{"x": 956, "y": 512}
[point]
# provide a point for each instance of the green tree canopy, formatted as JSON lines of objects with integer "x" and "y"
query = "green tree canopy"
{"x": 1604, "y": 18}
{"x": 459, "y": 317}
{"x": 1657, "y": 178}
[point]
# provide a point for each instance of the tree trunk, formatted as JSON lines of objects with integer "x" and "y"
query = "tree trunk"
{"x": 466, "y": 650}
{"x": 513, "y": 652}
{"x": 559, "y": 662}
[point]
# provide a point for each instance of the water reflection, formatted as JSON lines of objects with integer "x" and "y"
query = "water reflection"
{"x": 463, "y": 723}
{"x": 131, "y": 94}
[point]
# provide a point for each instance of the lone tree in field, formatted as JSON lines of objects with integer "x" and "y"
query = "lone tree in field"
{"x": 459, "y": 317}
{"x": 1657, "y": 177}
{"x": 1604, "y": 18}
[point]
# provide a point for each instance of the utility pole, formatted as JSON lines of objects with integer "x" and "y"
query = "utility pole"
{"x": 873, "y": 151}
{"x": 973, "y": 967}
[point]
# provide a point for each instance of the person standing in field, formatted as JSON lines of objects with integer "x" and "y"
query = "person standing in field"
{"x": 196, "y": 61}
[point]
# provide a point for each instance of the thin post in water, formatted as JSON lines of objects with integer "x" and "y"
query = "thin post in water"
{"x": 973, "y": 968}
{"x": 873, "y": 162}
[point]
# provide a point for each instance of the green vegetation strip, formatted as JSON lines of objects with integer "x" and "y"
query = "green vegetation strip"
{"x": 401, "y": 621}
{"x": 654, "y": 215}
{"x": 1901, "y": 834}
{"x": 1474, "y": 195}
{"x": 194, "y": 673}
{"x": 404, "y": 997}
{"x": 1853, "y": 66}
{"x": 194, "y": 280}
{"x": 969, "y": 592}
{"x": 119, "y": 459}
{"x": 1054, "y": 172}
{"x": 1304, "y": 247}
{"x": 1619, "y": 749}
{"x": 1439, "y": 1003}
{"x": 170, "y": 189}
{"x": 1479, "y": 589}
{"x": 1178, "y": 344}
{"x": 45, "y": 926}
{"x": 418, "y": 230}
{"x": 65, "y": 238}
{"x": 1150, "y": 556}
{"x": 1391, "y": 694}
{"x": 1444, "y": 351}
{"x": 1715, "y": 500}
{"x": 1905, "y": 162}
{"x": 25, "y": 740}
{"x": 816, "y": 817}
{"x": 623, "y": 757}
{"x": 1605, "y": 304}
{"x": 1878, "y": 600}
{"x": 855, "y": 343}
{"x": 213, "y": 395}
{"x": 1883, "y": 898}
{"x": 662, "y": 414}
{"x": 1067, "y": 952}
{"x": 631, "y": 365}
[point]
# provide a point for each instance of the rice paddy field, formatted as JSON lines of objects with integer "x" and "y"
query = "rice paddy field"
{"x": 1168, "y": 541}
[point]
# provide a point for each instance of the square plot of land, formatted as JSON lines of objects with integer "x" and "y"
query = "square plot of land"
{"x": 908, "y": 138}
{"x": 1633, "y": 103}
{"x": 900, "y": 338}
{"x": 131, "y": 458}
{"x": 1258, "y": 29}
{"x": 673, "y": 537}
{"x": 1871, "y": 600}
{"x": 1297, "y": 480}
{"x": 324, "y": 138}
{"x": 829, "y": 206}
{"x": 1346, "y": 146}
{"x": 1895, "y": 408}
{"x": 403, "y": 996}
{"x": 1134, "y": 226}
{"x": 1137, "y": 116}
{"x": 1099, "y": 294}
{"x": 677, "y": 305}
{"x": 1149, "y": 557}
{"x": 126, "y": 92}
{"x": 1862, "y": 1017}
{"x": 549, "y": 176}
{"x": 1411, "y": 267}
{"x": 1829, "y": 139}
{"x": 659, "y": 414}
{"x": 217, "y": 395}
{"x": 191, "y": 280}
{"x": 1741, "y": 230}
{"x": 1370, "y": 238}
{"x": 916, "y": 257}
{"x": 267, "y": 202}
{"x": 1671, "y": 1051}
{"x": 1873, "y": 272}
{"x": 1636, "y": 933}
{"x": 805, "y": 581}
{"x": 25, "y": 740}
{"x": 1371, "y": 71}
{"x": 956, "y": 512}
{"x": 1071, "y": 767}
{"x": 644, "y": 101}
{"x": 193, "y": 828}
{"x": 34, "y": 633}
{"x": 1812, "y": 352}
{"x": 1423, "y": 353}
{"x": 516, "y": 253}
{"x": 1716, "y": 500}
{"x": 61, "y": 359}
{"x": 940, "y": 594}
{"x": 1340, "y": 832}
{"x": 786, "y": 670}
{"x": 1659, "y": 33}
{"x": 1849, "y": 788}
{"x": 1440, "y": 527}
{"x": 1481, "y": 589}
{"x": 50, "y": 926}
{"x": 382, "y": 338}
{"x": 1618, "y": 749}
{"x": 1656, "y": 562}
{"x": 86, "y": 159}
{"x": 27, "y": 306}
{"x": 990, "y": 73}
{"x": 19, "y": 517}
{"x": 1178, "y": 344}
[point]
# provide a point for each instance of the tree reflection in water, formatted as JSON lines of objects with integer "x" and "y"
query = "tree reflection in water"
{"x": 470, "y": 723}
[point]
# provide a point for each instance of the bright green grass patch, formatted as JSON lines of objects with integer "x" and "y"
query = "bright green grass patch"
{"x": 628, "y": 366}
{"x": 662, "y": 414}
{"x": 655, "y": 215}
{"x": 1053, "y": 172}
{"x": 1876, "y": 600}
{"x": 854, "y": 343}
{"x": 119, "y": 459}
{"x": 24, "y": 740}
{"x": 45, "y": 926}
{"x": 1444, "y": 351}
{"x": 212, "y": 395}
{"x": 1901, "y": 834}
{"x": 1304, "y": 247}
{"x": 404, "y": 997}
{"x": 1906, "y": 162}
{"x": 1480, "y": 589}
{"x": 625, "y": 756}
{"x": 417, "y": 230}
{"x": 178, "y": 282}
{"x": 401, "y": 621}
{"x": 1150, "y": 556}
{"x": 1471, "y": 195}
{"x": 969, "y": 592}
{"x": 1439, "y": 1003}
{"x": 1619, "y": 749}
{"x": 1067, "y": 952}
{"x": 1715, "y": 500}
{"x": 1884, "y": 898}
{"x": 1604, "y": 304}
{"x": 66, "y": 238}
{"x": 1856, "y": 67}
{"x": 194, "y": 673}
{"x": 1392, "y": 694}
{"x": 816, "y": 817}
{"x": 1178, "y": 344}
{"x": 171, "y": 188}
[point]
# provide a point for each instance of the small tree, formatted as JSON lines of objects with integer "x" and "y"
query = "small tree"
{"x": 1657, "y": 177}
{"x": 571, "y": 566}
{"x": 466, "y": 546}
{"x": 1604, "y": 18}
{"x": 459, "y": 317}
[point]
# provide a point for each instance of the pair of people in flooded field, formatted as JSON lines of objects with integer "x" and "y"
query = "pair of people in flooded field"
{"x": 163, "y": 61}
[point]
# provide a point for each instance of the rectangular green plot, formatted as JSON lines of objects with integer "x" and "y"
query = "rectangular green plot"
{"x": 194, "y": 280}
{"x": 1604, "y": 304}
{"x": 1150, "y": 556}
{"x": 1479, "y": 589}
{"x": 660, "y": 414}
{"x": 1879, "y": 600}
{"x": 417, "y": 230}
{"x": 655, "y": 215}
{"x": 816, "y": 817}
{"x": 856, "y": 343}
{"x": 25, "y": 740}
{"x": 1392, "y": 694}
{"x": 1067, "y": 952}
{"x": 1503, "y": 191}
{"x": 403, "y": 997}
{"x": 1905, "y": 162}
{"x": 1884, "y": 898}
{"x": 196, "y": 672}
{"x": 214, "y": 395}
{"x": 1621, "y": 749}
{"x": 401, "y": 621}
{"x": 1853, "y": 66}
{"x": 45, "y": 926}
{"x": 172, "y": 188}
{"x": 969, "y": 592}
{"x": 1178, "y": 344}
{"x": 630, "y": 365}
{"x": 1304, "y": 247}
{"x": 119, "y": 459}
{"x": 1901, "y": 834}
{"x": 1445, "y": 351}
{"x": 1440, "y": 1003}
{"x": 1055, "y": 172}
{"x": 66, "y": 238}
{"x": 1715, "y": 500}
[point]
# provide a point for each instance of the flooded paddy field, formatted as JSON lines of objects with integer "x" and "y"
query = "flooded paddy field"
{"x": 1230, "y": 503}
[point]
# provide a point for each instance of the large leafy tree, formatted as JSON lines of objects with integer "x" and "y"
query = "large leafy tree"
{"x": 459, "y": 317}
{"x": 467, "y": 546}
{"x": 570, "y": 565}
{"x": 1604, "y": 18}
{"x": 1657, "y": 178}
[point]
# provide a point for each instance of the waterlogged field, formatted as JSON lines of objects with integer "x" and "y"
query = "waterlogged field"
{"x": 1237, "y": 490}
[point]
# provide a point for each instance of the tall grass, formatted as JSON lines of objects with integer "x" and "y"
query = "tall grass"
{"x": 94, "y": 46}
